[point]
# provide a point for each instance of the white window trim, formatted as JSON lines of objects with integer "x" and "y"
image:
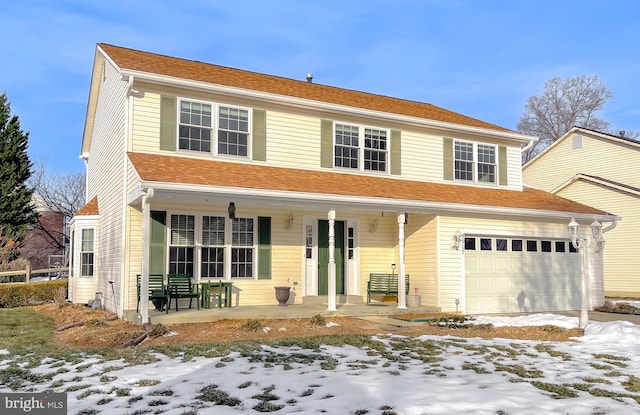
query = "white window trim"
{"x": 80, "y": 251}
{"x": 361, "y": 147}
{"x": 215, "y": 106}
{"x": 228, "y": 237}
{"x": 475, "y": 162}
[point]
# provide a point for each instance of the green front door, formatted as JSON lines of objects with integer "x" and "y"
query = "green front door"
{"x": 323, "y": 257}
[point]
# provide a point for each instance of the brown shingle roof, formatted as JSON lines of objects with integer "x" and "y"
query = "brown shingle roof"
{"x": 91, "y": 208}
{"x": 172, "y": 169}
{"x": 198, "y": 71}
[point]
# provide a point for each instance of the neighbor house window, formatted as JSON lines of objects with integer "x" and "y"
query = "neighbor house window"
{"x": 87, "y": 253}
{"x": 475, "y": 162}
{"x": 212, "y": 251}
{"x": 226, "y": 133}
{"x": 361, "y": 148}
{"x": 182, "y": 244}
{"x": 242, "y": 248}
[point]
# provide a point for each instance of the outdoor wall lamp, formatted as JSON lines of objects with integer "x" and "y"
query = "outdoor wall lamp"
{"x": 458, "y": 239}
{"x": 232, "y": 210}
{"x": 373, "y": 227}
{"x": 289, "y": 222}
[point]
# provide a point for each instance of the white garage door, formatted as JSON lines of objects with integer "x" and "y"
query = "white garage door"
{"x": 508, "y": 275}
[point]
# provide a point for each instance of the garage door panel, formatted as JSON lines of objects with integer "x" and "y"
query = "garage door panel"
{"x": 506, "y": 282}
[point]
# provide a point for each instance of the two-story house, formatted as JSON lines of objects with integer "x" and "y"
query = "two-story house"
{"x": 600, "y": 170}
{"x": 264, "y": 181}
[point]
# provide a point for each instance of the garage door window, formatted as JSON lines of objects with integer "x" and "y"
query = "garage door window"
{"x": 501, "y": 244}
{"x": 516, "y": 245}
{"x": 560, "y": 246}
{"x": 545, "y": 246}
{"x": 485, "y": 244}
{"x": 470, "y": 244}
{"x": 532, "y": 246}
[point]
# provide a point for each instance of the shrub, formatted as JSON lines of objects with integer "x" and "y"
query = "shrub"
{"x": 251, "y": 324}
{"x": 21, "y": 295}
{"x": 317, "y": 320}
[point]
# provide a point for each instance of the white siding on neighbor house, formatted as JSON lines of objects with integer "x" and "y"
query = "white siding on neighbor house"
{"x": 452, "y": 270}
{"x": 596, "y": 157}
{"x": 622, "y": 268}
{"x": 145, "y": 128}
{"x": 106, "y": 165}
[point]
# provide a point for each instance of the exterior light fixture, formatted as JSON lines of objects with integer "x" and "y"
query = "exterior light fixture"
{"x": 289, "y": 222}
{"x": 232, "y": 210}
{"x": 373, "y": 227}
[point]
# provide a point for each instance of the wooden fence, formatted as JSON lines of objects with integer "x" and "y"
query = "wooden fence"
{"x": 25, "y": 276}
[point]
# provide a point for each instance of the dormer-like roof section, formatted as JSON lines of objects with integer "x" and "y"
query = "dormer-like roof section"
{"x": 130, "y": 60}
{"x": 90, "y": 209}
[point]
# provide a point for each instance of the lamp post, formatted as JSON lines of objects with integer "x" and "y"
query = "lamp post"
{"x": 582, "y": 244}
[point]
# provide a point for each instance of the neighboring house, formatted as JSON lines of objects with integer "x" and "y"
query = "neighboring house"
{"x": 266, "y": 181}
{"x": 45, "y": 241}
{"x": 603, "y": 171}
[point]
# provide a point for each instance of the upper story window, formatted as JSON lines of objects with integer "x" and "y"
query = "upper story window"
{"x": 361, "y": 148}
{"x": 475, "y": 162}
{"x": 212, "y": 128}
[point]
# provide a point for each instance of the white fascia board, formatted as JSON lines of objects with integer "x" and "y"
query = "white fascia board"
{"x": 320, "y": 105}
{"x": 362, "y": 202}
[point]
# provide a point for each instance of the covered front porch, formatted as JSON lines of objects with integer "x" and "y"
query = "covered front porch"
{"x": 291, "y": 311}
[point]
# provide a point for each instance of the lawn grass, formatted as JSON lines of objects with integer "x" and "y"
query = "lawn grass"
{"x": 23, "y": 329}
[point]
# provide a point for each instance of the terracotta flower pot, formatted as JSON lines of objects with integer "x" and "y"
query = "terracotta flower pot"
{"x": 282, "y": 294}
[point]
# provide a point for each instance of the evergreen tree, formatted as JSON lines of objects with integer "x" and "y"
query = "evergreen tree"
{"x": 16, "y": 210}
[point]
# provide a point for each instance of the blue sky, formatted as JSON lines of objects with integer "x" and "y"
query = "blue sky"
{"x": 479, "y": 58}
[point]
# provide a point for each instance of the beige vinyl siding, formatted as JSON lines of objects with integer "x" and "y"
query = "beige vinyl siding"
{"x": 421, "y": 157}
{"x": 622, "y": 268}
{"x": 597, "y": 157}
{"x": 145, "y": 128}
{"x": 133, "y": 249}
{"x": 378, "y": 250}
{"x": 451, "y": 276}
{"x": 106, "y": 165}
{"x": 421, "y": 259}
{"x": 293, "y": 140}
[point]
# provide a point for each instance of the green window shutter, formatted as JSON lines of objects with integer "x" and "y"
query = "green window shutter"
{"x": 168, "y": 123}
{"x": 447, "y": 158}
{"x": 264, "y": 248}
{"x": 157, "y": 248}
{"x": 502, "y": 166}
{"x": 326, "y": 143}
{"x": 396, "y": 156}
{"x": 259, "y": 135}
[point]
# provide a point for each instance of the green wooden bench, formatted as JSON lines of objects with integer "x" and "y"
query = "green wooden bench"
{"x": 180, "y": 286}
{"x": 158, "y": 292}
{"x": 386, "y": 284}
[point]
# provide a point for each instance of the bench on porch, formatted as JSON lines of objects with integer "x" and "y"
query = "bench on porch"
{"x": 180, "y": 286}
{"x": 386, "y": 284}
{"x": 158, "y": 292}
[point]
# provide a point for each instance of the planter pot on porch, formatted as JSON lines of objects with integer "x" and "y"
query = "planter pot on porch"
{"x": 414, "y": 300}
{"x": 282, "y": 294}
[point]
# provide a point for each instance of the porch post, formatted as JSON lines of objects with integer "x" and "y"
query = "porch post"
{"x": 402, "y": 295}
{"x": 147, "y": 195}
{"x": 331, "y": 288}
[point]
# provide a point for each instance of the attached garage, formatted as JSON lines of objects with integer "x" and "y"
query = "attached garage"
{"x": 510, "y": 275}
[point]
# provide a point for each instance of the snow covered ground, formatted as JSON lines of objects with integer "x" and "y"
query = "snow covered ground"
{"x": 597, "y": 374}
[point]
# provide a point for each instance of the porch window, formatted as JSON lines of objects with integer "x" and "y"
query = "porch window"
{"x": 212, "y": 254}
{"x": 361, "y": 148}
{"x": 87, "y": 253}
{"x": 309, "y": 242}
{"x": 182, "y": 244}
{"x": 242, "y": 248}
{"x": 351, "y": 241}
